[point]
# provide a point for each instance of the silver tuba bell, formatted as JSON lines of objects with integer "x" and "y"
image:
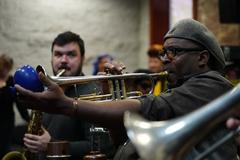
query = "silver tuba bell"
{"x": 171, "y": 140}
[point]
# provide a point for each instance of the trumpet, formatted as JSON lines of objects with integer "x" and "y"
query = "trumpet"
{"x": 118, "y": 86}
{"x": 171, "y": 140}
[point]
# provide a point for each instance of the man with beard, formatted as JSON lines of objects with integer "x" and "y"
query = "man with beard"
{"x": 193, "y": 58}
{"x": 67, "y": 54}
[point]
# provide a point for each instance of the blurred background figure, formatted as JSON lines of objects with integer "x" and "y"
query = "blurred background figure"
{"x": 7, "y": 117}
{"x": 155, "y": 65}
{"x": 98, "y": 64}
{"x": 232, "y": 73}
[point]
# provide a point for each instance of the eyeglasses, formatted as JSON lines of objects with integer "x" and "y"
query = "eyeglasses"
{"x": 172, "y": 52}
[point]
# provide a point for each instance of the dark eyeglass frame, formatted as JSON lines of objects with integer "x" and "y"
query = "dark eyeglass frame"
{"x": 172, "y": 52}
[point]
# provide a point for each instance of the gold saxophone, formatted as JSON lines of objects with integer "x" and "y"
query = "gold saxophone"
{"x": 34, "y": 127}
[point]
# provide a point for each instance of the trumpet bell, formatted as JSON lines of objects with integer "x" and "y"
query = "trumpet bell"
{"x": 152, "y": 136}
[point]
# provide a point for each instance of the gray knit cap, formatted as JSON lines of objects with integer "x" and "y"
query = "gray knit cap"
{"x": 197, "y": 32}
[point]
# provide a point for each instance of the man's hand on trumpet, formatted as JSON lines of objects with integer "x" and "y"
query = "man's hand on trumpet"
{"x": 114, "y": 68}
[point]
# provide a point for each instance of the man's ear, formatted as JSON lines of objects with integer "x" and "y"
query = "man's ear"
{"x": 203, "y": 58}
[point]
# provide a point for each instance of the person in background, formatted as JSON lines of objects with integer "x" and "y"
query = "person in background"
{"x": 7, "y": 100}
{"x": 68, "y": 52}
{"x": 232, "y": 72}
{"x": 194, "y": 61}
{"x": 98, "y": 65}
{"x": 155, "y": 65}
{"x": 99, "y": 68}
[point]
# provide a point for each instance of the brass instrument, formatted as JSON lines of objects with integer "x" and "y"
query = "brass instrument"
{"x": 34, "y": 127}
{"x": 58, "y": 150}
{"x": 171, "y": 140}
{"x": 118, "y": 85}
{"x": 117, "y": 88}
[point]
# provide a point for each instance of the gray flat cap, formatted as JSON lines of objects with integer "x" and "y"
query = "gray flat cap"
{"x": 197, "y": 32}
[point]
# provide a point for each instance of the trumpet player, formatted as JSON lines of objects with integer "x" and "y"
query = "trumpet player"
{"x": 68, "y": 53}
{"x": 194, "y": 60}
